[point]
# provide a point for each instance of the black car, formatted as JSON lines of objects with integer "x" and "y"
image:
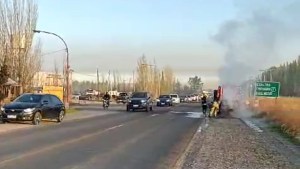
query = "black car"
{"x": 34, "y": 107}
{"x": 140, "y": 100}
{"x": 182, "y": 99}
{"x": 164, "y": 100}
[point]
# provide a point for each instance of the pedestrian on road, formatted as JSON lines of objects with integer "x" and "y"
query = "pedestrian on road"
{"x": 204, "y": 104}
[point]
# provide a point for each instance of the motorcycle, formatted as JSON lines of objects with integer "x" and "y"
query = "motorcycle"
{"x": 105, "y": 104}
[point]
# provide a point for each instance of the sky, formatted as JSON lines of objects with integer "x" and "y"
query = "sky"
{"x": 113, "y": 34}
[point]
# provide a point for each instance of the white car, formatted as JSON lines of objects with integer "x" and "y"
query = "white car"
{"x": 175, "y": 98}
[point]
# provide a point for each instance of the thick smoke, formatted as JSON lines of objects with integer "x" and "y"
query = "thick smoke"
{"x": 266, "y": 34}
{"x": 259, "y": 40}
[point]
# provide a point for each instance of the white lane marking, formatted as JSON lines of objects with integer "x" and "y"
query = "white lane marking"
{"x": 114, "y": 127}
{"x": 57, "y": 145}
{"x": 176, "y": 112}
{"x": 154, "y": 115}
{"x": 253, "y": 126}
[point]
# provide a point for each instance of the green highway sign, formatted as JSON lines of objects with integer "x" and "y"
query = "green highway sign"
{"x": 267, "y": 89}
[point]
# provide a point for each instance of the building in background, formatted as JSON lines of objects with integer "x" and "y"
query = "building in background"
{"x": 48, "y": 79}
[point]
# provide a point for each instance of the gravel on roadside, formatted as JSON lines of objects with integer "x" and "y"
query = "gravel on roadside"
{"x": 230, "y": 144}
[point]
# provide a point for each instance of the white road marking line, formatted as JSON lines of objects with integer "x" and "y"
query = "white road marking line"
{"x": 61, "y": 144}
{"x": 114, "y": 127}
{"x": 253, "y": 126}
{"x": 175, "y": 112}
{"x": 154, "y": 115}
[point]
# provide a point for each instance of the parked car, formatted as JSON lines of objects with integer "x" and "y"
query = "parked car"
{"x": 34, "y": 107}
{"x": 164, "y": 100}
{"x": 175, "y": 98}
{"x": 140, "y": 100}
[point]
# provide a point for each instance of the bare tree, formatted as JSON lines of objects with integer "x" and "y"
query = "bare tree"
{"x": 150, "y": 78}
{"x": 17, "y": 20}
{"x": 168, "y": 80}
{"x": 56, "y": 74}
{"x": 142, "y": 73}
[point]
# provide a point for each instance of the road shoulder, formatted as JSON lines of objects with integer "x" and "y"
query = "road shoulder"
{"x": 229, "y": 143}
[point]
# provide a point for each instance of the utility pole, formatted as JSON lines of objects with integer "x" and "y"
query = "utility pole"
{"x": 110, "y": 81}
{"x": 124, "y": 85}
{"x": 133, "y": 81}
{"x": 98, "y": 84}
{"x": 159, "y": 84}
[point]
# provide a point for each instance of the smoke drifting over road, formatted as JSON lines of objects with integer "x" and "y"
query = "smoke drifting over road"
{"x": 260, "y": 38}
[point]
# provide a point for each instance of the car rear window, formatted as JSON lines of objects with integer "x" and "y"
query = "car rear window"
{"x": 164, "y": 96}
{"x": 173, "y": 95}
{"x": 139, "y": 95}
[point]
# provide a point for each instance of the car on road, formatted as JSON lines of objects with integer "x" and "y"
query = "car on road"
{"x": 182, "y": 99}
{"x": 34, "y": 108}
{"x": 140, "y": 101}
{"x": 164, "y": 100}
{"x": 175, "y": 98}
{"x": 122, "y": 98}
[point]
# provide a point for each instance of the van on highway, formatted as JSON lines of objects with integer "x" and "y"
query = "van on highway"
{"x": 175, "y": 98}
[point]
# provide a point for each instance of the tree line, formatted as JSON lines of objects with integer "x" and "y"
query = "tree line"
{"x": 147, "y": 77}
{"x": 288, "y": 74}
{"x": 20, "y": 58}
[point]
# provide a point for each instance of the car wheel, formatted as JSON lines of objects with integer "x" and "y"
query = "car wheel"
{"x": 4, "y": 121}
{"x": 37, "y": 118}
{"x": 60, "y": 116}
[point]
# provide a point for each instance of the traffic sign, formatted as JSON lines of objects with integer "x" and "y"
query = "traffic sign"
{"x": 267, "y": 89}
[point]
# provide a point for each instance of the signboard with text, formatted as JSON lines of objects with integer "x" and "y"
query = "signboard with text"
{"x": 267, "y": 89}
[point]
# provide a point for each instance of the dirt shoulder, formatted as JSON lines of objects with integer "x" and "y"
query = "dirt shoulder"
{"x": 231, "y": 144}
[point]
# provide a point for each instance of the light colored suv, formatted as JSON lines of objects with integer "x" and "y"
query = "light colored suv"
{"x": 175, "y": 98}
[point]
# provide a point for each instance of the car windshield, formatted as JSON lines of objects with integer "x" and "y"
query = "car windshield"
{"x": 123, "y": 94}
{"x": 139, "y": 95}
{"x": 29, "y": 98}
{"x": 164, "y": 96}
{"x": 173, "y": 95}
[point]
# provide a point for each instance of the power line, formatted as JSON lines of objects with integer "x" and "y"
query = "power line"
{"x": 53, "y": 52}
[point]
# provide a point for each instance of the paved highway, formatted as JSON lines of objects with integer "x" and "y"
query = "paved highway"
{"x": 123, "y": 140}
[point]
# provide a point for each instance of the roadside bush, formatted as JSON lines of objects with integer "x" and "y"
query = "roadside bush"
{"x": 284, "y": 111}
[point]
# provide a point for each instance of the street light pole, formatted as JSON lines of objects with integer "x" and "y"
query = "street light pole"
{"x": 68, "y": 65}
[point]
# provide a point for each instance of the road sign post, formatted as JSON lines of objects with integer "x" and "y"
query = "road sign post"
{"x": 267, "y": 89}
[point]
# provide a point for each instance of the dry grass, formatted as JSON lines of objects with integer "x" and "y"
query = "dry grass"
{"x": 284, "y": 110}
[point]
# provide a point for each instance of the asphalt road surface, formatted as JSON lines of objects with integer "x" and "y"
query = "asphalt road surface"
{"x": 123, "y": 140}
